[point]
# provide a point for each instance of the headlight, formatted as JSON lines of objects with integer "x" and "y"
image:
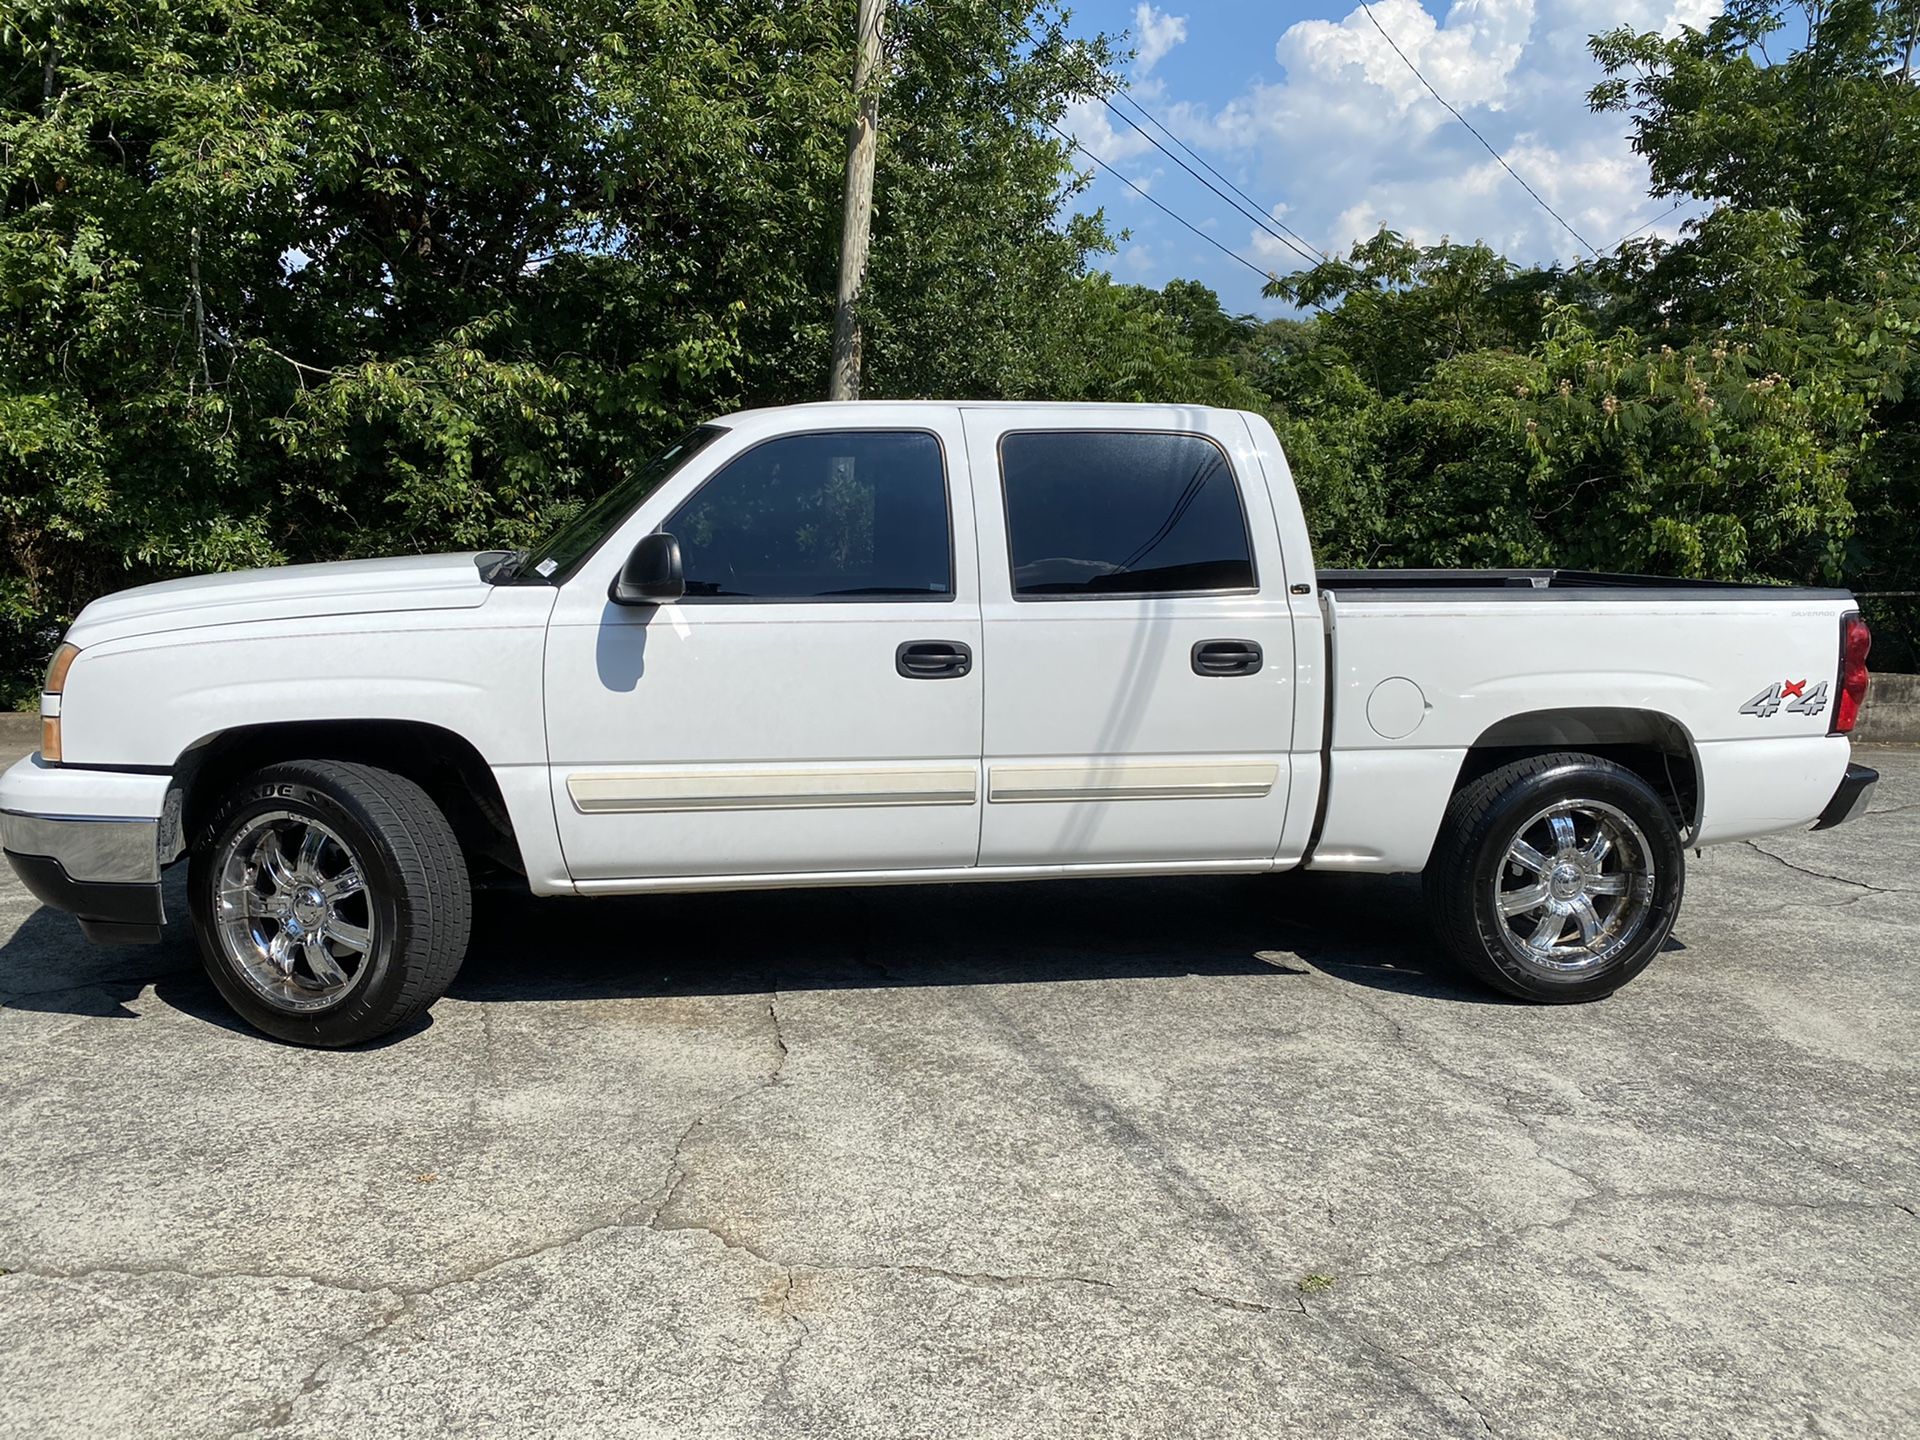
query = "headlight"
{"x": 57, "y": 668}
{"x": 56, "y": 682}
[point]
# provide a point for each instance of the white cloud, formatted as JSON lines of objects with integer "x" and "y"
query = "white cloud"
{"x": 1089, "y": 121}
{"x": 1093, "y": 125}
{"x": 1154, "y": 33}
{"x": 1350, "y": 139}
{"x": 1467, "y": 60}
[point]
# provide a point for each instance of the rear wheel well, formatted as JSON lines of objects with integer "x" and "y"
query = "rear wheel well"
{"x": 439, "y": 761}
{"x": 1655, "y": 747}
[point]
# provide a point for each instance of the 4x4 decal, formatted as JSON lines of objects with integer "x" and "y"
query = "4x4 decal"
{"x": 1792, "y": 694}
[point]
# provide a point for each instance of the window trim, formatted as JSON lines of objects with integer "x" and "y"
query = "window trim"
{"x": 916, "y": 598}
{"x": 1239, "y": 496}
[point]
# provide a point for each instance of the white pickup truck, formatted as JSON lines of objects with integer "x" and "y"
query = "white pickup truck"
{"x": 886, "y": 643}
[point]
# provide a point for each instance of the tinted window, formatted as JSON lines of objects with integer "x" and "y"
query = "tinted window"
{"x": 840, "y": 515}
{"x": 1120, "y": 514}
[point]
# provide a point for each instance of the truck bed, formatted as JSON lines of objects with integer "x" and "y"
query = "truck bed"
{"x": 1556, "y": 584}
{"x": 1425, "y": 666}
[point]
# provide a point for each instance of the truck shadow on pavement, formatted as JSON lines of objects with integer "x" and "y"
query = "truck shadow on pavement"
{"x": 1364, "y": 930}
{"x": 1367, "y": 931}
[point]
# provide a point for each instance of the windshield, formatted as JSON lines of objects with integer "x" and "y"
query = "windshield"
{"x": 554, "y": 557}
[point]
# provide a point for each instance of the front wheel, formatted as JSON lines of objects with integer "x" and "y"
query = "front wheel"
{"x": 331, "y": 901}
{"x": 1556, "y": 878}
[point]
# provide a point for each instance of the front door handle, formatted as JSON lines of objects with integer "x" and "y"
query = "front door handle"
{"x": 933, "y": 659}
{"x": 1226, "y": 657}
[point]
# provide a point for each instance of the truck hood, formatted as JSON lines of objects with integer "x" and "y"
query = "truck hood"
{"x": 287, "y": 592}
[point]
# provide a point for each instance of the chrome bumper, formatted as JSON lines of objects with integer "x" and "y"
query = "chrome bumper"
{"x": 89, "y": 848}
{"x": 103, "y": 868}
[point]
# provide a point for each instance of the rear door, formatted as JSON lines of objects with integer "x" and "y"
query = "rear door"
{"x": 814, "y": 702}
{"x": 1139, "y": 697}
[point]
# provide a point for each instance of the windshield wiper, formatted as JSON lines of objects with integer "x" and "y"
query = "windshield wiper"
{"x": 499, "y": 566}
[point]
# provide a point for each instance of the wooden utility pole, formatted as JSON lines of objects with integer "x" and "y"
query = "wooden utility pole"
{"x": 856, "y": 221}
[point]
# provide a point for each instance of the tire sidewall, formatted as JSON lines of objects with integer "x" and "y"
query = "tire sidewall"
{"x": 284, "y": 788}
{"x": 1595, "y": 780}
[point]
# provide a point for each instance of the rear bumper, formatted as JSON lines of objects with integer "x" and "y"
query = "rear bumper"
{"x": 88, "y": 842}
{"x": 1851, "y": 799}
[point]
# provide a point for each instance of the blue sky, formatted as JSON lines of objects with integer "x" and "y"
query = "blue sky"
{"x": 1304, "y": 106}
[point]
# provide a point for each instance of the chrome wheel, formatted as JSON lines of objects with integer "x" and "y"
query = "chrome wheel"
{"x": 1575, "y": 888}
{"x": 292, "y": 910}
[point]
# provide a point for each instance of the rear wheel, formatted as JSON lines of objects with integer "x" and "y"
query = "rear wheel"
{"x": 331, "y": 901}
{"x": 1556, "y": 878}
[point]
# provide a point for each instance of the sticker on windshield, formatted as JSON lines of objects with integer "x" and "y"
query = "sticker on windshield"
{"x": 1793, "y": 696}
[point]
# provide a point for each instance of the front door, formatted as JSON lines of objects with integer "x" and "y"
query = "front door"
{"x": 1140, "y": 694}
{"x": 814, "y": 702}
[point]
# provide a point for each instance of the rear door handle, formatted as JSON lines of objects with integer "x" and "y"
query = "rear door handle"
{"x": 1226, "y": 657}
{"x": 933, "y": 659}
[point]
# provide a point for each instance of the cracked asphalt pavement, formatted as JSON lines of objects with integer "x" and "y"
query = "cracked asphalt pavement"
{"x": 1212, "y": 1157}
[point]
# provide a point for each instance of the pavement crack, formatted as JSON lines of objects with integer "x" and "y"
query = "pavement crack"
{"x": 1506, "y": 1097}
{"x": 1255, "y": 1307}
{"x": 719, "y": 1230}
{"x": 654, "y": 1216}
{"x": 1019, "y": 1280}
{"x": 781, "y": 1391}
{"x": 983, "y": 1279}
{"x": 281, "y": 1415}
{"x": 1506, "y": 1239}
{"x": 677, "y": 1170}
{"x": 1608, "y": 1199}
{"x": 1403, "y": 1367}
{"x": 779, "y": 1042}
{"x": 1479, "y": 1414}
{"x": 1759, "y": 849}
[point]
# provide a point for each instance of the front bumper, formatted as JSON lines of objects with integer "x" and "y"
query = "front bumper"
{"x": 89, "y": 842}
{"x": 1851, "y": 799}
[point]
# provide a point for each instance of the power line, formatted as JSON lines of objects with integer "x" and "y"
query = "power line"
{"x": 1165, "y": 210}
{"x": 1475, "y": 133}
{"x": 1256, "y": 218}
{"x": 1645, "y": 224}
{"x": 1261, "y": 215}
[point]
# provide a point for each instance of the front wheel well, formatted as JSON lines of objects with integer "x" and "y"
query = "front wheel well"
{"x": 441, "y": 762}
{"x": 1654, "y": 746}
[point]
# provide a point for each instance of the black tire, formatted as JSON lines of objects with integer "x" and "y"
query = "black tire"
{"x": 416, "y": 900}
{"x": 1474, "y": 858}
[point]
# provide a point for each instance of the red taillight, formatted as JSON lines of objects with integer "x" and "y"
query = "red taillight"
{"x": 1855, "y": 641}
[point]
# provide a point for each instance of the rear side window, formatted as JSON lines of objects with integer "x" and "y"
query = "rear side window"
{"x": 843, "y": 515}
{"x": 1115, "y": 513}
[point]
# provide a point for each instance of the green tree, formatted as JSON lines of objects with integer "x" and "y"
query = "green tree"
{"x": 284, "y": 280}
{"x": 1810, "y": 257}
{"x": 1395, "y": 309}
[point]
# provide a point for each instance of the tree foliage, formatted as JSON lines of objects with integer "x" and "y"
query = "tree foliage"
{"x": 284, "y": 280}
{"x": 1734, "y": 404}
